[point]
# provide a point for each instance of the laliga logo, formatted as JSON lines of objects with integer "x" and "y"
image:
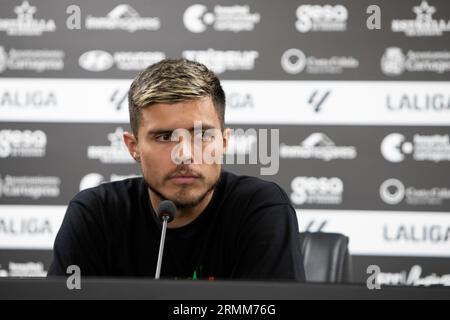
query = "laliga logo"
{"x": 393, "y": 61}
{"x": 196, "y": 19}
{"x": 392, "y": 191}
{"x": 393, "y": 148}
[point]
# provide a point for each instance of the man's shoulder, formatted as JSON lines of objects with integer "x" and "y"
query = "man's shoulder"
{"x": 255, "y": 189}
{"x": 110, "y": 193}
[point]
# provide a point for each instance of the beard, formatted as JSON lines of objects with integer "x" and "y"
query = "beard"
{"x": 182, "y": 199}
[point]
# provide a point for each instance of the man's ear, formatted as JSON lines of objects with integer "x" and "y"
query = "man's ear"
{"x": 226, "y": 138}
{"x": 132, "y": 145}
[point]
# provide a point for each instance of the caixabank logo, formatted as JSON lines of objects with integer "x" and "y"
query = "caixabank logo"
{"x": 394, "y": 192}
{"x": 295, "y": 61}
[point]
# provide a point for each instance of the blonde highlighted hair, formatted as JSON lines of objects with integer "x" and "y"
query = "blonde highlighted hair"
{"x": 171, "y": 81}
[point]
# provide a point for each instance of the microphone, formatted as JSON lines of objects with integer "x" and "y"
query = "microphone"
{"x": 166, "y": 213}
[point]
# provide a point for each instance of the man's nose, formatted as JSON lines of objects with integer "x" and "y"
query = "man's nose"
{"x": 185, "y": 152}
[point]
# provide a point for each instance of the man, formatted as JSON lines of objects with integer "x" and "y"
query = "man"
{"x": 226, "y": 227}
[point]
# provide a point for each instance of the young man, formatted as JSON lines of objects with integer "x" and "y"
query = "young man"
{"x": 226, "y": 227}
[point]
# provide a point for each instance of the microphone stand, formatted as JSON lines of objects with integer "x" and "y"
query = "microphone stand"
{"x": 165, "y": 218}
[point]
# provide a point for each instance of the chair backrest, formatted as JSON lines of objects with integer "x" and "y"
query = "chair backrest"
{"x": 326, "y": 257}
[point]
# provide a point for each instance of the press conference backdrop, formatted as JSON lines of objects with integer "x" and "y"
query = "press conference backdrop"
{"x": 363, "y": 114}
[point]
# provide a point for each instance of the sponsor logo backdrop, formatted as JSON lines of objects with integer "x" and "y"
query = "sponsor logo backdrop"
{"x": 363, "y": 115}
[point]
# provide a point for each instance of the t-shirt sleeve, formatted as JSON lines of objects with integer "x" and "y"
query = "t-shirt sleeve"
{"x": 268, "y": 245}
{"x": 80, "y": 240}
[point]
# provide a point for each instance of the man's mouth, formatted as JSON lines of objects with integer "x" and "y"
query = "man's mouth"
{"x": 184, "y": 179}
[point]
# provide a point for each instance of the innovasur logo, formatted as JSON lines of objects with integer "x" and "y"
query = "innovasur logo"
{"x": 318, "y": 146}
{"x": 123, "y": 17}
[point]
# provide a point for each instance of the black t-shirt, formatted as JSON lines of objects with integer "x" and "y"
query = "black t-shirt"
{"x": 248, "y": 230}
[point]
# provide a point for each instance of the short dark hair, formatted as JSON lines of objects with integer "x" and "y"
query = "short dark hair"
{"x": 172, "y": 81}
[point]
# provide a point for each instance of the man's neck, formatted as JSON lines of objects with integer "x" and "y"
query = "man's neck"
{"x": 183, "y": 216}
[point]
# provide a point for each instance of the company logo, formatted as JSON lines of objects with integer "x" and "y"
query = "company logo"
{"x": 22, "y": 144}
{"x": 235, "y": 18}
{"x": 436, "y": 148}
{"x": 424, "y": 25}
{"x": 412, "y": 278}
{"x": 25, "y": 24}
{"x": 404, "y": 233}
{"x": 239, "y": 101}
{"x": 94, "y": 179}
{"x": 98, "y": 60}
{"x": 3, "y": 59}
{"x": 317, "y": 99}
{"x": 321, "y": 18}
{"x": 116, "y": 152}
{"x": 25, "y": 226}
{"x": 312, "y": 190}
{"x": 393, "y": 191}
{"x": 394, "y": 62}
{"x": 119, "y": 99}
{"x": 318, "y": 146}
{"x": 34, "y": 60}
{"x": 37, "y": 99}
{"x": 316, "y": 226}
{"x": 29, "y": 187}
{"x": 221, "y": 61}
{"x": 123, "y": 17}
{"x": 295, "y": 61}
{"x": 418, "y": 103}
{"x": 24, "y": 269}
{"x": 3, "y": 273}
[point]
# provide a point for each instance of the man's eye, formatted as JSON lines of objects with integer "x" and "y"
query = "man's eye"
{"x": 205, "y": 136}
{"x": 164, "y": 137}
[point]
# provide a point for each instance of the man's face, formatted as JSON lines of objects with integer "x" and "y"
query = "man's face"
{"x": 169, "y": 177}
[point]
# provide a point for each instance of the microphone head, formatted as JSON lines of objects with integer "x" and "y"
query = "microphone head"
{"x": 167, "y": 209}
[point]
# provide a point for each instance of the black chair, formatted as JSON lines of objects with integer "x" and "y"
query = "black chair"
{"x": 326, "y": 257}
